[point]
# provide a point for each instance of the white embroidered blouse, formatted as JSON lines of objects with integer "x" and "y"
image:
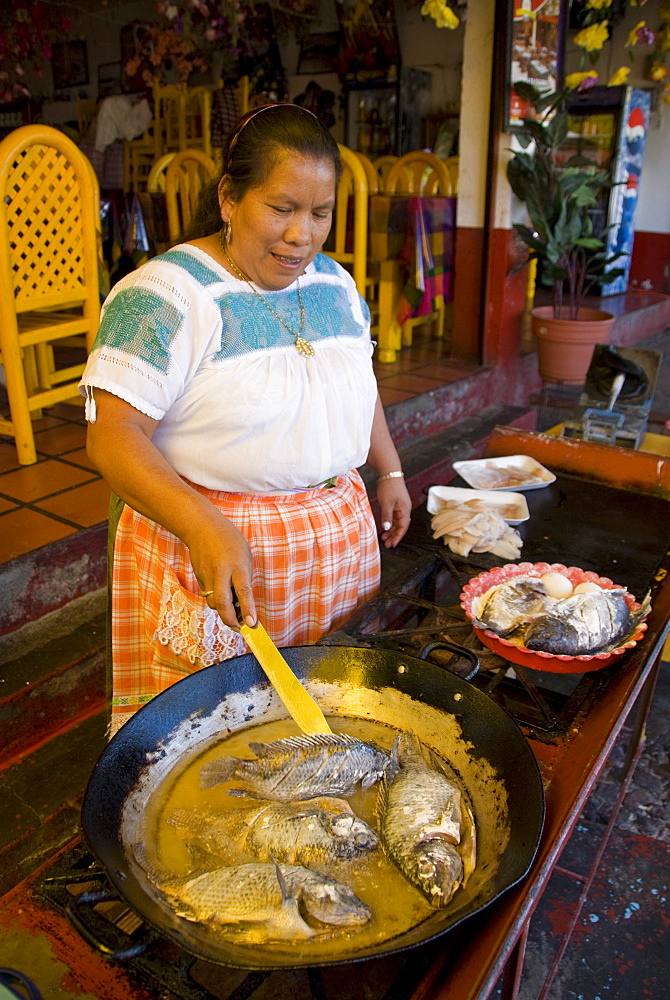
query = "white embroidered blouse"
{"x": 240, "y": 409}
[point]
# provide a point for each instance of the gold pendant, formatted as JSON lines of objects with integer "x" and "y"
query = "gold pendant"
{"x": 304, "y": 347}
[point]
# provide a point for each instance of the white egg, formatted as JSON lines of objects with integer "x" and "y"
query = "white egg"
{"x": 557, "y": 585}
{"x": 587, "y": 588}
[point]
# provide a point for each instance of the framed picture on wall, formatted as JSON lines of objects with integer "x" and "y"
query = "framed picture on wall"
{"x": 535, "y": 51}
{"x": 69, "y": 64}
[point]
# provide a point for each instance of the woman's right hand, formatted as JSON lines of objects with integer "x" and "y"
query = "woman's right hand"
{"x": 222, "y": 563}
{"x": 120, "y": 444}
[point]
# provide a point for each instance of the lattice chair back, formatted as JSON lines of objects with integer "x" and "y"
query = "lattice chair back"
{"x": 187, "y": 173}
{"x": 350, "y": 231}
{"x": 418, "y": 172}
{"x": 49, "y": 273}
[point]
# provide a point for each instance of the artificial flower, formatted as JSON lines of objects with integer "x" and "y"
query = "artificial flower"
{"x": 592, "y": 38}
{"x": 658, "y": 71}
{"x": 575, "y": 81}
{"x": 619, "y": 76}
{"x": 634, "y": 36}
{"x": 598, "y": 4}
{"x": 443, "y": 16}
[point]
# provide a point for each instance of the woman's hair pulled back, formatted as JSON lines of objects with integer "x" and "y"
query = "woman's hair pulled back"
{"x": 253, "y": 150}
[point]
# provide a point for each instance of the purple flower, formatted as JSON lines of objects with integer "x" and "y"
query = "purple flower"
{"x": 646, "y": 36}
{"x": 587, "y": 83}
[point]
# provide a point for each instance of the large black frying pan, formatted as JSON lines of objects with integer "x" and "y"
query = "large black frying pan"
{"x": 480, "y": 740}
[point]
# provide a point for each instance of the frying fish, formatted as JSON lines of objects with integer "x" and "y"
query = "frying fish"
{"x": 507, "y": 605}
{"x": 584, "y": 623}
{"x": 300, "y": 767}
{"x": 323, "y": 829}
{"x": 260, "y": 902}
{"x": 424, "y": 819}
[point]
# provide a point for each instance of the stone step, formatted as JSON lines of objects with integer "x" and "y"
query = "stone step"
{"x": 53, "y": 674}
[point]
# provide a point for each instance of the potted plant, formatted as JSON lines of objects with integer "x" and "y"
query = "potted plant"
{"x": 559, "y": 197}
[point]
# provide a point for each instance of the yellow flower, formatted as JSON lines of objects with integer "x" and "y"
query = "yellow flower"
{"x": 598, "y": 4}
{"x": 632, "y": 35}
{"x": 443, "y": 16}
{"x": 573, "y": 80}
{"x": 658, "y": 71}
{"x": 592, "y": 38}
{"x": 619, "y": 77}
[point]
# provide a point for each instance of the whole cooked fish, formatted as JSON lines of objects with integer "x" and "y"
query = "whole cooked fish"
{"x": 323, "y": 829}
{"x": 424, "y": 819}
{"x": 583, "y": 623}
{"x": 260, "y": 902}
{"x": 300, "y": 767}
{"x": 507, "y": 605}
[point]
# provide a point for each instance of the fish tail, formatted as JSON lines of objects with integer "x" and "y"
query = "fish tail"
{"x": 215, "y": 772}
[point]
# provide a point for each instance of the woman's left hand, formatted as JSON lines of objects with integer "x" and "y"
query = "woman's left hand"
{"x": 396, "y": 508}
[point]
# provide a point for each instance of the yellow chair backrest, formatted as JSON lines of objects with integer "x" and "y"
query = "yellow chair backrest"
{"x": 370, "y": 172}
{"x": 187, "y": 173}
{"x": 49, "y": 270}
{"x": 418, "y": 172}
{"x": 352, "y": 185}
{"x": 156, "y": 179}
{"x": 86, "y": 114}
{"x": 452, "y": 164}
{"x": 186, "y": 116}
{"x": 382, "y": 165}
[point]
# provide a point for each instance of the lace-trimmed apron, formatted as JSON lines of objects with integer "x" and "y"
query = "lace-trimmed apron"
{"x": 316, "y": 559}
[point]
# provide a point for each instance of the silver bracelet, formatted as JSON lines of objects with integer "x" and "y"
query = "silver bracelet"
{"x": 391, "y": 475}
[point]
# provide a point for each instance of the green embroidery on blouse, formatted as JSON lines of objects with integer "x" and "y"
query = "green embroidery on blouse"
{"x": 142, "y": 324}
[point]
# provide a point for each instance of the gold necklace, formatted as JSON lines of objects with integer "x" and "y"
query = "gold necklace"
{"x": 302, "y": 346}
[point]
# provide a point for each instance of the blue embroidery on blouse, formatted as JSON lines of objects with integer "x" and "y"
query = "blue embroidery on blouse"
{"x": 248, "y": 325}
{"x": 202, "y": 273}
{"x": 142, "y": 324}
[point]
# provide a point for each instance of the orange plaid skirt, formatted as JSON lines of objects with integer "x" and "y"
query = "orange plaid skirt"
{"x": 316, "y": 559}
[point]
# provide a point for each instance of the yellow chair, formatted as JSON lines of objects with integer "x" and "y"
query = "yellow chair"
{"x": 418, "y": 172}
{"x": 186, "y": 113}
{"x": 382, "y": 165}
{"x": 452, "y": 164}
{"x": 139, "y": 155}
{"x": 49, "y": 277}
{"x": 370, "y": 172}
{"x": 87, "y": 112}
{"x": 156, "y": 178}
{"x": 421, "y": 173}
{"x": 353, "y": 187}
{"x": 187, "y": 173}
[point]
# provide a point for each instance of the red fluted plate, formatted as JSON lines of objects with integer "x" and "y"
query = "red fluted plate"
{"x": 536, "y": 659}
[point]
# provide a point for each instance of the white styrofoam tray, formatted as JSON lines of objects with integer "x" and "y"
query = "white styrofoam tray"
{"x": 474, "y": 472}
{"x": 511, "y": 506}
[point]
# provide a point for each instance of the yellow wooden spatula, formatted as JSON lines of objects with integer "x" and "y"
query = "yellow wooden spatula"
{"x": 299, "y": 703}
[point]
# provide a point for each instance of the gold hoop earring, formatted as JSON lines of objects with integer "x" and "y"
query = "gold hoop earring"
{"x": 226, "y": 232}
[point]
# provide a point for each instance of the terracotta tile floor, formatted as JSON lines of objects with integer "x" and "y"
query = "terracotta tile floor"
{"x": 63, "y": 493}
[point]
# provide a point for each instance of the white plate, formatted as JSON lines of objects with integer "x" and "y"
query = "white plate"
{"x": 513, "y": 506}
{"x": 481, "y": 473}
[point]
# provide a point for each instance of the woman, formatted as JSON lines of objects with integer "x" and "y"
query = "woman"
{"x": 230, "y": 399}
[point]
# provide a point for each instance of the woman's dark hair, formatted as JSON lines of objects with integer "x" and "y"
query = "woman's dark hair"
{"x": 253, "y": 150}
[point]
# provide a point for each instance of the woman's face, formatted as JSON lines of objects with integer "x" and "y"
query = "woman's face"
{"x": 279, "y": 227}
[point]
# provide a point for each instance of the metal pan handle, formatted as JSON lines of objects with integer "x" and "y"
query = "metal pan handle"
{"x": 453, "y": 647}
{"x": 75, "y": 912}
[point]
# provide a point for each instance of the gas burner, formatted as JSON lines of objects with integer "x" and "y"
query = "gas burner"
{"x": 419, "y": 615}
{"x": 76, "y": 886}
